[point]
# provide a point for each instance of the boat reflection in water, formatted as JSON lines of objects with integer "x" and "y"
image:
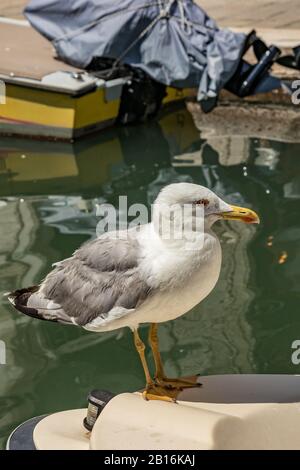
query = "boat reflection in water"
{"x": 49, "y": 193}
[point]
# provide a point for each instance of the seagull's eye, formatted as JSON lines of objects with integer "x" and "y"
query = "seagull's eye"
{"x": 205, "y": 202}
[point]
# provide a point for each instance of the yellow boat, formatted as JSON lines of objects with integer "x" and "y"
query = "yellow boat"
{"x": 43, "y": 97}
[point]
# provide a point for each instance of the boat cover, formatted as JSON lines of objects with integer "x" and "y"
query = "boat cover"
{"x": 174, "y": 41}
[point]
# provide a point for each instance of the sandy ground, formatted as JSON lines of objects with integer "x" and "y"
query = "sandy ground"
{"x": 12, "y": 8}
{"x": 283, "y": 14}
{"x": 257, "y": 13}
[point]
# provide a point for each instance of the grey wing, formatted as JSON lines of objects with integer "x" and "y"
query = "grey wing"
{"x": 101, "y": 277}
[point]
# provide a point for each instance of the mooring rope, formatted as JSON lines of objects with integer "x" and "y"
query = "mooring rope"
{"x": 164, "y": 11}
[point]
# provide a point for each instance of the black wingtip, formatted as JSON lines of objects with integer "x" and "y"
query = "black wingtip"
{"x": 20, "y": 295}
{"x": 19, "y": 299}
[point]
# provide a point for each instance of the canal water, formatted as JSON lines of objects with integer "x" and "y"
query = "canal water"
{"x": 49, "y": 193}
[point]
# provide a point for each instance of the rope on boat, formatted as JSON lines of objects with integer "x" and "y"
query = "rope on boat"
{"x": 161, "y": 5}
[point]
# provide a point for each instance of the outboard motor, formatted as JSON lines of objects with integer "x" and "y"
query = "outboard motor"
{"x": 248, "y": 77}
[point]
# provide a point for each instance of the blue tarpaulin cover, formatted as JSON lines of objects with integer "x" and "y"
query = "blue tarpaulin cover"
{"x": 174, "y": 41}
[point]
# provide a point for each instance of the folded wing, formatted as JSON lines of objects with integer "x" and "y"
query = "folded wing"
{"x": 100, "y": 282}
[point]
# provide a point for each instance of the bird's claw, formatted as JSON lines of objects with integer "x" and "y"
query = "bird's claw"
{"x": 178, "y": 384}
{"x": 165, "y": 389}
{"x": 157, "y": 392}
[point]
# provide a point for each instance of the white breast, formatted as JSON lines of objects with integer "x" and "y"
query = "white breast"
{"x": 187, "y": 278}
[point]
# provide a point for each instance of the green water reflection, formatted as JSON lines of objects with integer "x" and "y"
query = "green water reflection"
{"x": 48, "y": 198}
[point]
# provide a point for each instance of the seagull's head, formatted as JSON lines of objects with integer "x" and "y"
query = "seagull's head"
{"x": 200, "y": 202}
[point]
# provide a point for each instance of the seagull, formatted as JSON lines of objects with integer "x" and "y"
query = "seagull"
{"x": 150, "y": 273}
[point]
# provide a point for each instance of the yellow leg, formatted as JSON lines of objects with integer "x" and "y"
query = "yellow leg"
{"x": 160, "y": 376}
{"x": 153, "y": 341}
{"x": 152, "y": 390}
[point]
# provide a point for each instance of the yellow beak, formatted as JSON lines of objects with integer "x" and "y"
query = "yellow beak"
{"x": 240, "y": 213}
